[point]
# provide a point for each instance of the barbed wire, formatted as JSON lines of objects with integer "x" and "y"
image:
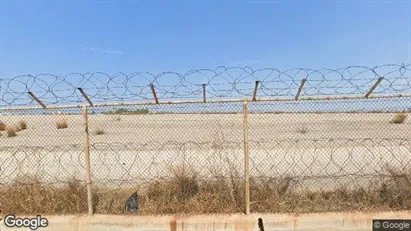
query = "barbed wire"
{"x": 314, "y": 161}
{"x": 222, "y": 82}
{"x": 299, "y": 151}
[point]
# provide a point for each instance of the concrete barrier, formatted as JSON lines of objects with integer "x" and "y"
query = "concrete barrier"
{"x": 235, "y": 222}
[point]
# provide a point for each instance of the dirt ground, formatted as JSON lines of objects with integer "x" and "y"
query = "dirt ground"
{"x": 203, "y": 128}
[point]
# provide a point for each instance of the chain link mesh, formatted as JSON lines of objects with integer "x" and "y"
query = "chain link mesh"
{"x": 336, "y": 155}
{"x": 41, "y": 166}
{"x": 173, "y": 155}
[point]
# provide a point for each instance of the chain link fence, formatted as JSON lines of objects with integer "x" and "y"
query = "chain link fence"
{"x": 330, "y": 155}
{"x": 263, "y": 155}
{"x": 177, "y": 157}
{"x": 42, "y": 161}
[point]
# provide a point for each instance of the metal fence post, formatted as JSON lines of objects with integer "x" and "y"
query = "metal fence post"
{"x": 246, "y": 127}
{"x": 87, "y": 156}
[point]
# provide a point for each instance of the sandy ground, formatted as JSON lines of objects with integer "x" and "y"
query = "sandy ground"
{"x": 204, "y": 128}
{"x": 137, "y": 148}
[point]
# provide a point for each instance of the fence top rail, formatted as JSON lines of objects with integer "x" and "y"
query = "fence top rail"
{"x": 204, "y": 84}
{"x": 151, "y": 103}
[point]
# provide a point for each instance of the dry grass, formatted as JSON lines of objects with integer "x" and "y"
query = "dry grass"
{"x": 30, "y": 196}
{"x": 399, "y": 118}
{"x": 11, "y": 132}
{"x": 2, "y": 126}
{"x": 62, "y": 124}
{"x": 185, "y": 192}
{"x": 23, "y": 124}
{"x": 281, "y": 196}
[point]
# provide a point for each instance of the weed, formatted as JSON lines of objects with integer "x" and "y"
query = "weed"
{"x": 99, "y": 132}
{"x": 399, "y": 118}
{"x": 23, "y": 124}
{"x": 62, "y": 124}
{"x": 11, "y": 132}
{"x": 2, "y": 126}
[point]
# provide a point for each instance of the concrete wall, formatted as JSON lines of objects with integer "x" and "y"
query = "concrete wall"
{"x": 236, "y": 222}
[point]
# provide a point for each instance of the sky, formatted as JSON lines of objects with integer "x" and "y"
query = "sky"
{"x": 128, "y": 36}
{"x": 67, "y": 36}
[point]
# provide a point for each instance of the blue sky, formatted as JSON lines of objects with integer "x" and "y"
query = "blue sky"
{"x": 126, "y": 36}
{"x": 80, "y": 36}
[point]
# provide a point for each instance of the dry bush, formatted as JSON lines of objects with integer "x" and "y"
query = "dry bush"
{"x": 399, "y": 118}
{"x": 61, "y": 124}
{"x": 219, "y": 196}
{"x": 2, "y": 126}
{"x": 186, "y": 192}
{"x": 302, "y": 130}
{"x": 111, "y": 201}
{"x": 272, "y": 194}
{"x": 23, "y": 124}
{"x": 99, "y": 132}
{"x": 183, "y": 192}
{"x": 171, "y": 195}
{"x": 395, "y": 191}
{"x": 185, "y": 182}
{"x": 11, "y": 132}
